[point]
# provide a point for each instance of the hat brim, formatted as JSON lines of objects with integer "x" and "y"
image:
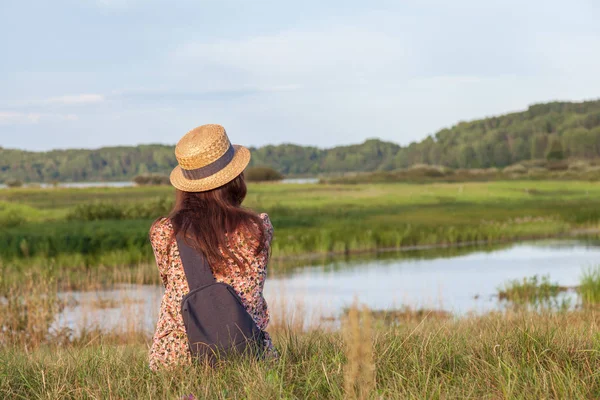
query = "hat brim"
{"x": 239, "y": 162}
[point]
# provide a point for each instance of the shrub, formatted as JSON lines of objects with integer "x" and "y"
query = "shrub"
{"x": 558, "y": 165}
{"x": 515, "y": 169}
{"x": 152, "y": 179}
{"x": 578, "y": 165}
{"x": 539, "y": 163}
{"x": 96, "y": 211}
{"x": 431, "y": 171}
{"x": 149, "y": 209}
{"x": 104, "y": 210}
{"x": 262, "y": 174}
{"x": 12, "y": 215}
{"x": 13, "y": 183}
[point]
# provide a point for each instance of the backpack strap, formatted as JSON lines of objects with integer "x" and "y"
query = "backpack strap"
{"x": 196, "y": 268}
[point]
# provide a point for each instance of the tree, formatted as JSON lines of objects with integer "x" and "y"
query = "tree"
{"x": 555, "y": 150}
{"x": 501, "y": 154}
{"x": 520, "y": 149}
{"x": 580, "y": 142}
{"x": 467, "y": 157}
{"x": 539, "y": 146}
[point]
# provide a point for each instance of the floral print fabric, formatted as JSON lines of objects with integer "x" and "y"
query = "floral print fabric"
{"x": 169, "y": 344}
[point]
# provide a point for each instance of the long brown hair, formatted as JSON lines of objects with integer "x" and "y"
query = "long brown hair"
{"x": 207, "y": 221}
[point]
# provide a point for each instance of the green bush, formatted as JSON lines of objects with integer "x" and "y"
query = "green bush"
{"x": 11, "y": 216}
{"x": 153, "y": 179}
{"x": 13, "y": 183}
{"x": 262, "y": 174}
{"x": 104, "y": 210}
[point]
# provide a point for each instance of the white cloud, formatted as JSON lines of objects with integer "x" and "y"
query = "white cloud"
{"x": 21, "y": 118}
{"x": 16, "y": 118}
{"x": 76, "y": 99}
{"x": 333, "y": 56}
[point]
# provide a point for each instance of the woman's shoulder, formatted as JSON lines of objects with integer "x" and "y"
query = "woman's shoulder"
{"x": 267, "y": 224}
{"x": 265, "y": 219}
{"x": 161, "y": 231}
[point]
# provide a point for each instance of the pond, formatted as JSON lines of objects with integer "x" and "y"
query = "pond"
{"x": 459, "y": 284}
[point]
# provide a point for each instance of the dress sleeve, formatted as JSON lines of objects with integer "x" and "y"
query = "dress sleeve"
{"x": 160, "y": 236}
{"x": 261, "y": 303}
{"x": 268, "y": 229}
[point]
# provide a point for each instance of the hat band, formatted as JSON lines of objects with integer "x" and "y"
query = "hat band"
{"x": 212, "y": 168}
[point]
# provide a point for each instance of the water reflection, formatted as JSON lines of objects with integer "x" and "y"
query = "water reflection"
{"x": 460, "y": 281}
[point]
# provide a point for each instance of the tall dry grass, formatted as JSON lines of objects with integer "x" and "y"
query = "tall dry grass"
{"x": 359, "y": 372}
{"x": 529, "y": 355}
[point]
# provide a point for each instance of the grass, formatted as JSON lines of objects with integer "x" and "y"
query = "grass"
{"x": 532, "y": 291}
{"x": 589, "y": 288}
{"x": 308, "y": 219}
{"x": 514, "y": 354}
{"x": 521, "y": 355}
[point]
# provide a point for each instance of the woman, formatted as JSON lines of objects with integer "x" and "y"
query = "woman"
{"x": 235, "y": 241}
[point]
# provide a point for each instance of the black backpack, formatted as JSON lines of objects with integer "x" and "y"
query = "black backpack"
{"x": 216, "y": 322}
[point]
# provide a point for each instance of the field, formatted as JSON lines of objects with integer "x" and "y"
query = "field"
{"x": 89, "y": 230}
{"x": 53, "y": 239}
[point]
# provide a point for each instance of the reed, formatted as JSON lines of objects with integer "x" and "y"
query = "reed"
{"x": 535, "y": 290}
{"x": 589, "y": 286}
{"x": 359, "y": 371}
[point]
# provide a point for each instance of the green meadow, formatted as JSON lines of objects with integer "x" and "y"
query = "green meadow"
{"x": 90, "y": 230}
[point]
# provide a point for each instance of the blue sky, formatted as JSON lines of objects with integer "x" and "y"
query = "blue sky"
{"x": 91, "y": 73}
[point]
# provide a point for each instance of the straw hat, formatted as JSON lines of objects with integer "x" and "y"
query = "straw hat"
{"x": 207, "y": 159}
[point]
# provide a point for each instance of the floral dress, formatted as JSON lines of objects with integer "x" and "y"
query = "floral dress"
{"x": 169, "y": 344}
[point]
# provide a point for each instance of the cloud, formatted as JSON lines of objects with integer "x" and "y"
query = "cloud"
{"x": 330, "y": 56}
{"x": 20, "y": 118}
{"x": 75, "y": 99}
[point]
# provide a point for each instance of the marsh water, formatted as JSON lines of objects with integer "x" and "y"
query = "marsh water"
{"x": 460, "y": 281}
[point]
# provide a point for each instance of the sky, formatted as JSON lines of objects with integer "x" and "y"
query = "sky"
{"x": 92, "y": 73}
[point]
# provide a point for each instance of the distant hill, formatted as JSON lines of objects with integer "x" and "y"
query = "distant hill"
{"x": 557, "y": 129}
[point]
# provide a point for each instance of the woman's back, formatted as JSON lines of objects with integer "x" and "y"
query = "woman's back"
{"x": 170, "y": 345}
